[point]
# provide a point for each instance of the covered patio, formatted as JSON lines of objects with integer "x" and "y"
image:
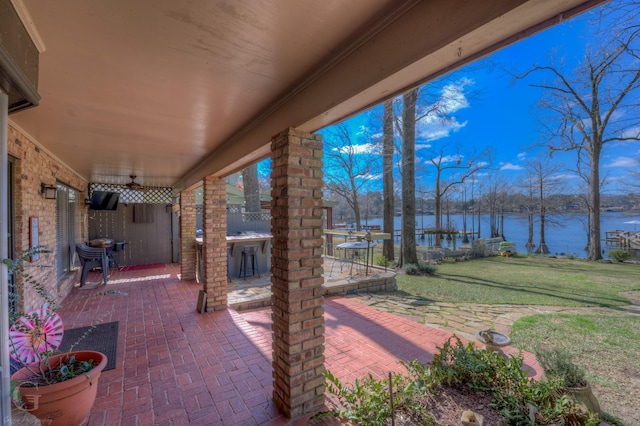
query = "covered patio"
{"x": 179, "y": 96}
{"x": 175, "y": 366}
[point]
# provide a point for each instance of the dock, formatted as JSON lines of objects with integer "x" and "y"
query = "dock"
{"x": 623, "y": 239}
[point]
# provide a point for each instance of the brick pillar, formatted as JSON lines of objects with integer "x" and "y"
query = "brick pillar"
{"x": 296, "y": 259}
{"x": 214, "y": 224}
{"x": 188, "y": 235}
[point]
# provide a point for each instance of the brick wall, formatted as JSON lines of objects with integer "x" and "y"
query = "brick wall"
{"x": 34, "y": 166}
{"x": 298, "y": 321}
{"x": 188, "y": 235}
{"x": 214, "y": 219}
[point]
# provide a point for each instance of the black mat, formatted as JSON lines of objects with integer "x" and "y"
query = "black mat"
{"x": 103, "y": 338}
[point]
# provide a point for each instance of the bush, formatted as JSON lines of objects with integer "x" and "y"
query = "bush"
{"x": 420, "y": 269}
{"x": 558, "y": 363}
{"x": 426, "y": 268}
{"x": 619, "y": 255}
{"x": 411, "y": 269}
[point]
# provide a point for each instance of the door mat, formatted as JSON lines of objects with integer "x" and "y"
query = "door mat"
{"x": 103, "y": 338}
{"x": 138, "y": 267}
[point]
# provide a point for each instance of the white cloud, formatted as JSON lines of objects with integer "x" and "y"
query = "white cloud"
{"x": 510, "y": 166}
{"x": 365, "y": 148}
{"x": 522, "y": 156}
{"x": 452, "y": 159}
{"x": 423, "y": 146}
{"x": 634, "y": 132}
{"x": 441, "y": 124}
{"x": 623, "y": 162}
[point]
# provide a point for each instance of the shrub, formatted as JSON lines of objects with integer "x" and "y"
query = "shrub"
{"x": 411, "y": 269}
{"x": 420, "y": 269}
{"x": 619, "y": 255}
{"x": 558, "y": 363}
{"x": 426, "y": 268}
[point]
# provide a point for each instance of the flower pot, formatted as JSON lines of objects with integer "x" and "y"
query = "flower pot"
{"x": 65, "y": 403}
{"x": 585, "y": 396}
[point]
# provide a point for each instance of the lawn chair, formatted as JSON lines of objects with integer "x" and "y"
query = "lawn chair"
{"x": 92, "y": 257}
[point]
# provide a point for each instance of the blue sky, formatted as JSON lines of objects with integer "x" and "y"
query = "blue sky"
{"x": 489, "y": 108}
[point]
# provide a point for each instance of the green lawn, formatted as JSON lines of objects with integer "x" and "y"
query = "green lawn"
{"x": 526, "y": 281}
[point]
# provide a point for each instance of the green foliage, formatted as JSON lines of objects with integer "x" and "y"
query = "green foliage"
{"x": 380, "y": 260}
{"x": 515, "y": 396}
{"x": 411, "y": 269}
{"x": 368, "y": 401}
{"x": 558, "y": 363}
{"x": 420, "y": 269}
{"x": 20, "y": 267}
{"x": 619, "y": 255}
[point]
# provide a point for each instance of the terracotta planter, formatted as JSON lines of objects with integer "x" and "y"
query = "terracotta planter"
{"x": 66, "y": 403}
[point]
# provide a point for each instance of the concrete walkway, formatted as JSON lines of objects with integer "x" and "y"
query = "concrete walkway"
{"x": 465, "y": 319}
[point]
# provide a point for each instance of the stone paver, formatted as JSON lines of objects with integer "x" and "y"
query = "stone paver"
{"x": 465, "y": 319}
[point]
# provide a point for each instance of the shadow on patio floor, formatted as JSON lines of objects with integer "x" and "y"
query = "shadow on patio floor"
{"x": 175, "y": 366}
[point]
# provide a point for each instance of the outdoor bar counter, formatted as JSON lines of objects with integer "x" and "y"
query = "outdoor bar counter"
{"x": 235, "y": 244}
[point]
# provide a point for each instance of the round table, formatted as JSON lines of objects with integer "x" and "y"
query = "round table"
{"x": 355, "y": 246}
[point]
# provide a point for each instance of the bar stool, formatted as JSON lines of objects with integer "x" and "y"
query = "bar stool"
{"x": 249, "y": 253}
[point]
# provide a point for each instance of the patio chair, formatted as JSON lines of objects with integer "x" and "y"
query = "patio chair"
{"x": 90, "y": 258}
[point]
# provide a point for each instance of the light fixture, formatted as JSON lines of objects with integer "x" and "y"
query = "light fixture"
{"x": 49, "y": 192}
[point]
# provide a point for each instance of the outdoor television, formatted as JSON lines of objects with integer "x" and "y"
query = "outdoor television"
{"x": 103, "y": 200}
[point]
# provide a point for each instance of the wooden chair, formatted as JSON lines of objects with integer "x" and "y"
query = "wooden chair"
{"x": 92, "y": 257}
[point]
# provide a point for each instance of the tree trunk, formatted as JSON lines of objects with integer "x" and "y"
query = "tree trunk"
{"x": 542, "y": 248}
{"x": 251, "y": 189}
{"x": 408, "y": 177}
{"x": 388, "y": 250}
{"x": 438, "y": 197}
{"x": 530, "y": 243}
{"x": 594, "y": 208}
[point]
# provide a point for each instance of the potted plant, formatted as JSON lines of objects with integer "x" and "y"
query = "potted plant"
{"x": 58, "y": 388}
{"x": 558, "y": 364}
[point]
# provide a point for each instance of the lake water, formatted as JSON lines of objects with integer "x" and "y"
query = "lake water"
{"x": 564, "y": 233}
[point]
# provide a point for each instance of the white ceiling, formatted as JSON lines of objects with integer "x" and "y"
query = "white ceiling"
{"x": 172, "y": 91}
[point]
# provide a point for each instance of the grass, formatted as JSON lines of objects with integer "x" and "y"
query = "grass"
{"x": 524, "y": 280}
{"x": 606, "y": 345}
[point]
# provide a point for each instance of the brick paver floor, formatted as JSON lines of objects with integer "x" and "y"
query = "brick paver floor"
{"x": 177, "y": 367}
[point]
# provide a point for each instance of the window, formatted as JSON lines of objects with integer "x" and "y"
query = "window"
{"x": 65, "y": 228}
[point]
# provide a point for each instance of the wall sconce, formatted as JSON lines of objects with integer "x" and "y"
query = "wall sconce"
{"x": 49, "y": 192}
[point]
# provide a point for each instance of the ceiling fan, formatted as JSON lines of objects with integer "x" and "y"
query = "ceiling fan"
{"x": 133, "y": 185}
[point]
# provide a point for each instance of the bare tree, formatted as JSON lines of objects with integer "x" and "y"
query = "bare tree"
{"x": 592, "y": 106}
{"x": 458, "y": 170}
{"x": 529, "y": 192}
{"x": 543, "y": 175}
{"x": 251, "y": 189}
{"x": 347, "y": 171}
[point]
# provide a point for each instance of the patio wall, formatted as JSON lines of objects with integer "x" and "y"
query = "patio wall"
{"x": 34, "y": 166}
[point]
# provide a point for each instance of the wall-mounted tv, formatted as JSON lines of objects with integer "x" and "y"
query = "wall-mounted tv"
{"x": 103, "y": 200}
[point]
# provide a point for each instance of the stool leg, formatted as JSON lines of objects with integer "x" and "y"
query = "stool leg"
{"x": 255, "y": 263}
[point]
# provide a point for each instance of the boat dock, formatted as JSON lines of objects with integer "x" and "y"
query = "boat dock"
{"x": 623, "y": 239}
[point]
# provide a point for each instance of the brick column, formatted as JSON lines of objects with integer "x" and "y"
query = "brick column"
{"x": 214, "y": 224}
{"x": 296, "y": 259}
{"x": 188, "y": 235}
